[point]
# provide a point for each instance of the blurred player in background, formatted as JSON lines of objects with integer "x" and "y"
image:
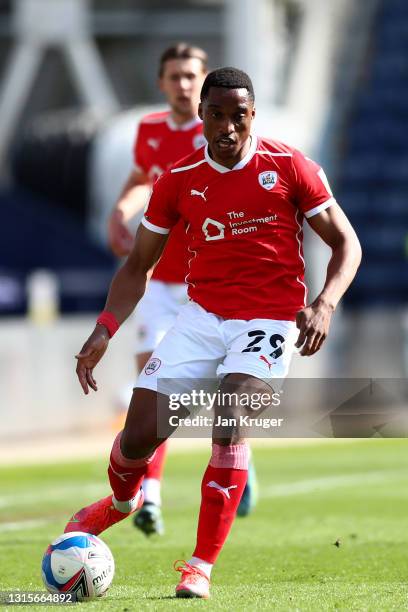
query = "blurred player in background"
{"x": 162, "y": 139}
{"x": 243, "y": 199}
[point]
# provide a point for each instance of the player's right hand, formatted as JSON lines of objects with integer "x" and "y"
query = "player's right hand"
{"x": 119, "y": 237}
{"x": 313, "y": 323}
{"x": 90, "y": 354}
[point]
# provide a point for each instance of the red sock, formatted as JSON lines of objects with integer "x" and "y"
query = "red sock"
{"x": 221, "y": 491}
{"x": 156, "y": 466}
{"x": 125, "y": 475}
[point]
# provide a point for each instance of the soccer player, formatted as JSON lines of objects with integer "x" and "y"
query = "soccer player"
{"x": 162, "y": 139}
{"x": 243, "y": 200}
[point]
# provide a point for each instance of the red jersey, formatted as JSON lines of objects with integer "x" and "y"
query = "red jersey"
{"x": 159, "y": 144}
{"x": 244, "y": 227}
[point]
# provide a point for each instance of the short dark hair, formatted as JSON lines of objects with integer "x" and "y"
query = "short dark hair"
{"x": 230, "y": 78}
{"x": 183, "y": 50}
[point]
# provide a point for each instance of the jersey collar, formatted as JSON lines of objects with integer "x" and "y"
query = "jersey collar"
{"x": 241, "y": 164}
{"x": 184, "y": 127}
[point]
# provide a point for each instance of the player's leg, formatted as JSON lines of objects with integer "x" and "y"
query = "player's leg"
{"x": 153, "y": 319}
{"x": 132, "y": 451}
{"x": 149, "y": 518}
{"x": 180, "y": 355}
{"x": 259, "y": 357}
{"x": 156, "y": 314}
{"x": 284, "y": 329}
{"x": 250, "y": 495}
{"x": 221, "y": 490}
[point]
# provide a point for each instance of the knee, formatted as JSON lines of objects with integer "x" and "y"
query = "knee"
{"x": 139, "y": 437}
{"x": 250, "y": 388}
{"x": 134, "y": 446}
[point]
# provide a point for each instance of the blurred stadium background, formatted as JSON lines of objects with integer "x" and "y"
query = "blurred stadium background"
{"x": 75, "y": 77}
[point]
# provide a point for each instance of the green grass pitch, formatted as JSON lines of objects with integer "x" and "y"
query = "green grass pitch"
{"x": 283, "y": 557}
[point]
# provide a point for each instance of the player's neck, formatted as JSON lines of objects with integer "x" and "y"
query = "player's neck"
{"x": 181, "y": 119}
{"x": 230, "y": 162}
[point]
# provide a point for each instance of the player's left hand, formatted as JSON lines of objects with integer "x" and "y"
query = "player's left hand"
{"x": 313, "y": 323}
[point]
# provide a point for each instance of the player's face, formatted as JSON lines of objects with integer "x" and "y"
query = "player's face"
{"x": 227, "y": 117}
{"x": 181, "y": 83}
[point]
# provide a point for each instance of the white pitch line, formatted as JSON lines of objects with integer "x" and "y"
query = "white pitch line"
{"x": 329, "y": 482}
{"x": 22, "y": 525}
{"x": 45, "y": 495}
{"x": 282, "y": 490}
{"x": 298, "y": 487}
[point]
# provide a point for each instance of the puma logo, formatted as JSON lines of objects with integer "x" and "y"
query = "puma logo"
{"x": 225, "y": 490}
{"x": 195, "y": 192}
{"x": 268, "y": 363}
{"x": 154, "y": 143}
{"x": 119, "y": 475}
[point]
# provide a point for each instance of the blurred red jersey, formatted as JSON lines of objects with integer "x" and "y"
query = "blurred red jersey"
{"x": 244, "y": 227}
{"x": 159, "y": 144}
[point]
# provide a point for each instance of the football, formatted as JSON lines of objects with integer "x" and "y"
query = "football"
{"x": 78, "y": 563}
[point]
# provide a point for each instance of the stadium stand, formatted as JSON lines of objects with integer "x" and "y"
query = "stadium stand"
{"x": 373, "y": 178}
{"x": 51, "y": 238}
{"x": 51, "y": 157}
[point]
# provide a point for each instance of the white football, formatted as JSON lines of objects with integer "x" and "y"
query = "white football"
{"x": 79, "y": 563}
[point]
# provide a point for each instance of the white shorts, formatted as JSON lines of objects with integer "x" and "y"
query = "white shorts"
{"x": 202, "y": 345}
{"x": 157, "y": 312}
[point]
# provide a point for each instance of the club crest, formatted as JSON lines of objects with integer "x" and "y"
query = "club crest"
{"x": 268, "y": 179}
{"x": 152, "y": 366}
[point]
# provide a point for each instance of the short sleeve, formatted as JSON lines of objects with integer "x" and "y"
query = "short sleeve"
{"x": 312, "y": 189}
{"x": 162, "y": 209}
{"x": 139, "y": 151}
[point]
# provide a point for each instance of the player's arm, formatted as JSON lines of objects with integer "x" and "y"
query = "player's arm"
{"x": 335, "y": 230}
{"x": 131, "y": 201}
{"x": 129, "y": 283}
{"x": 127, "y": 288}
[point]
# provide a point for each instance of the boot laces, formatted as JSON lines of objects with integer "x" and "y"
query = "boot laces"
{"x": 194, "y": 573}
